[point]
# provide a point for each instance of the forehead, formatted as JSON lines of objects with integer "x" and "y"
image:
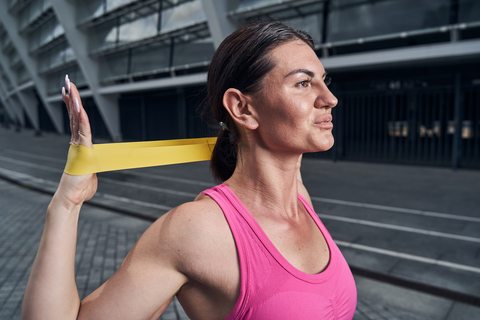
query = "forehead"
{"x": 295, "y": 55}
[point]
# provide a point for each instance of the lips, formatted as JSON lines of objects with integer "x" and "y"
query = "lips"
{"x": 324, "y": 121}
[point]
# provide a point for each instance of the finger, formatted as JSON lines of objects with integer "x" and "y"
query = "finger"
{"x": 64, "y": 96}
{"x": 83, "y": 135}
{"x": 84, "y": 132}
{"x": 67, "y": 83}
{"x": 72, "y": 113}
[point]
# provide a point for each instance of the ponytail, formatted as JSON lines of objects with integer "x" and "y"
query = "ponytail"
{"x": 224, "y": 155}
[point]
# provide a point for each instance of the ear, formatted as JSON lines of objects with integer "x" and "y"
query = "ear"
{"x": 240, "y": 108}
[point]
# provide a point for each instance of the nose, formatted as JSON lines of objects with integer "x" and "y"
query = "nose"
{"x": 325, "y": 98}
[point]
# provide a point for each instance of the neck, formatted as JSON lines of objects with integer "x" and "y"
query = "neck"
{"x": 266, "y": 181}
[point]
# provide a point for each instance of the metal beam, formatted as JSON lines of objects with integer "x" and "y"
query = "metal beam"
{"x": 6, "y": 103}
{"x": 396, "y": 57}
{"x": 11, "y": 27}
{"x": 18, "y": 115}
{"x": 164, "y": 83}
{"x": 24, "y": 102}
{"x": 21, "y": 114}
{"x": 218, "y": 22}
{"x": 28, "y": 99}
{"x": 78, "y": 40}
{"x": 457, "y": 137}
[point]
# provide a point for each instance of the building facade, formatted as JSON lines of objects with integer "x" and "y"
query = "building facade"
{"x": 406, "y": 72}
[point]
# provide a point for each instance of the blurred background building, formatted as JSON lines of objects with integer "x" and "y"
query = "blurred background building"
{"x": 406, "y": 72}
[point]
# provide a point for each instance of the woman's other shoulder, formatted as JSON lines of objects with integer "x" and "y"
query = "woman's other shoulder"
{"x": 195, "y": 216}
{"x": 195, "y": 231}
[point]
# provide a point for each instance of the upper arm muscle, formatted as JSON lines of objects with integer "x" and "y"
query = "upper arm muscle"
{"x": 144, "y": 283}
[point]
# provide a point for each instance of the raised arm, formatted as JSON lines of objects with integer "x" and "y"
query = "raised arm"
{"x": 141, "y": 288}
{"x": 51, "y": 291}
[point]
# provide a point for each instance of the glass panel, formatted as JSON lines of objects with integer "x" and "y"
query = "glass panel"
{"x": 7, "y": 82}
{"x": 103, "y": 36}
{"x": 312, "y": 8}
{"x": 32, "y": 11}
{"x": 148, "y": 58}
{"x": 139, "y": 29}
{"x": 193, "y": 52}
{"x": 348, "y": 21}
{"x": 113, "y": 4}
{"x": 69, "y": 54}
{"x": 54, "y": 83}
{"x": 24, "y": 17}
{"x": 44, "y": 61}
{"x": 45, "y": 5}
{"x": 47, "y": 31}
{"x": 468, "y": 10}
{"x": 114, "y": 65}
{"x": 285, "y": 14}
{"x": 56, "y": 56}
{"x": 22, "y": 75}
{"x": 4, "y": 41}
{"x": 36, "y": 38}
{"x": 311, "y": 24}
{"x": 57, "y": 29}
{"x": 89, "y": 9}
{"x": 36, "y": 8}
{"x": 13, "y": 58}
{"x": 252, "y": 3}
{"x": 162, "y": 117}
{"x": 182, "y": 15}
{"x": 56, "y": 80}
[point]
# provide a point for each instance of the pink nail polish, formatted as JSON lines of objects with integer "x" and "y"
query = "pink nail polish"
{"x": 77, "y": 107}
{"x": 63, "y": 91}
{"x": 67, "y": 83}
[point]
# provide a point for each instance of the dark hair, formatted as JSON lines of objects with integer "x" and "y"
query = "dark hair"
{"x": 241, "y": 61}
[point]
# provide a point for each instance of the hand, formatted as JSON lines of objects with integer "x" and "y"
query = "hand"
{"x": 74, "y": 190}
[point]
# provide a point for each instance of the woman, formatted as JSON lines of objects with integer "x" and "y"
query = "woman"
{"x": 250, "y": 248}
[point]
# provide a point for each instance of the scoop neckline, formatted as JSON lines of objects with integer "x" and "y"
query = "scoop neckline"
{"x": 275, "y": 253}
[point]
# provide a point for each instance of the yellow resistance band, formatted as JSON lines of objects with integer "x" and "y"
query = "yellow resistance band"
{"x": 118, "y": 156}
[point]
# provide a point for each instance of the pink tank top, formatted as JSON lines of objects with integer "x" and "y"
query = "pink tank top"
{"x": 271, "y": 288}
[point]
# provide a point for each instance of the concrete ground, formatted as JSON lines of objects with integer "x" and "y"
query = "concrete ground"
{"x": 416, "y": 223}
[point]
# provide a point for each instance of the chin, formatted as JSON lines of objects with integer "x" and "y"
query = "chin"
{"x": 326, "y": 143}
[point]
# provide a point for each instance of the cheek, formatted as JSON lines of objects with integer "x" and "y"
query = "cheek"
{"x": 290, "y": 109}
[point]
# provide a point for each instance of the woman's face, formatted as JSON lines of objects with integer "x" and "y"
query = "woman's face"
{"x": 294, "y": 105}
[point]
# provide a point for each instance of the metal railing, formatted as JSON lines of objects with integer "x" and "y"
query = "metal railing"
{"x": 411, "y": 127}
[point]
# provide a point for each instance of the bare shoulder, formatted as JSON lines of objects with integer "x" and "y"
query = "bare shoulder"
{"x": 192, "y": 217}
{"x": 195, "y": 232}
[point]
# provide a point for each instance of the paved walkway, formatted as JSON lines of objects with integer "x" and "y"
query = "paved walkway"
{"x": 101, "y": 246}
{"x": 105, "y": 237}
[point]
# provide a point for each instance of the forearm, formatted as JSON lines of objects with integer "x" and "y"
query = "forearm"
{"x": 51, "y": 291}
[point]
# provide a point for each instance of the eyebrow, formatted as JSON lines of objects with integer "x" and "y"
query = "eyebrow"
{"x": 307, "y": 72}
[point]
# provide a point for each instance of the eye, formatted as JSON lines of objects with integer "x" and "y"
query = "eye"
{"x": 327, "y": 80}
{"x": 304, "y": 83}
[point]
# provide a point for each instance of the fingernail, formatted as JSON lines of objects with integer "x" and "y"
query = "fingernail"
{"x": 77, "y": 107}
{"x": 63, "y": 91}
{"x": 67, "y": 83}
